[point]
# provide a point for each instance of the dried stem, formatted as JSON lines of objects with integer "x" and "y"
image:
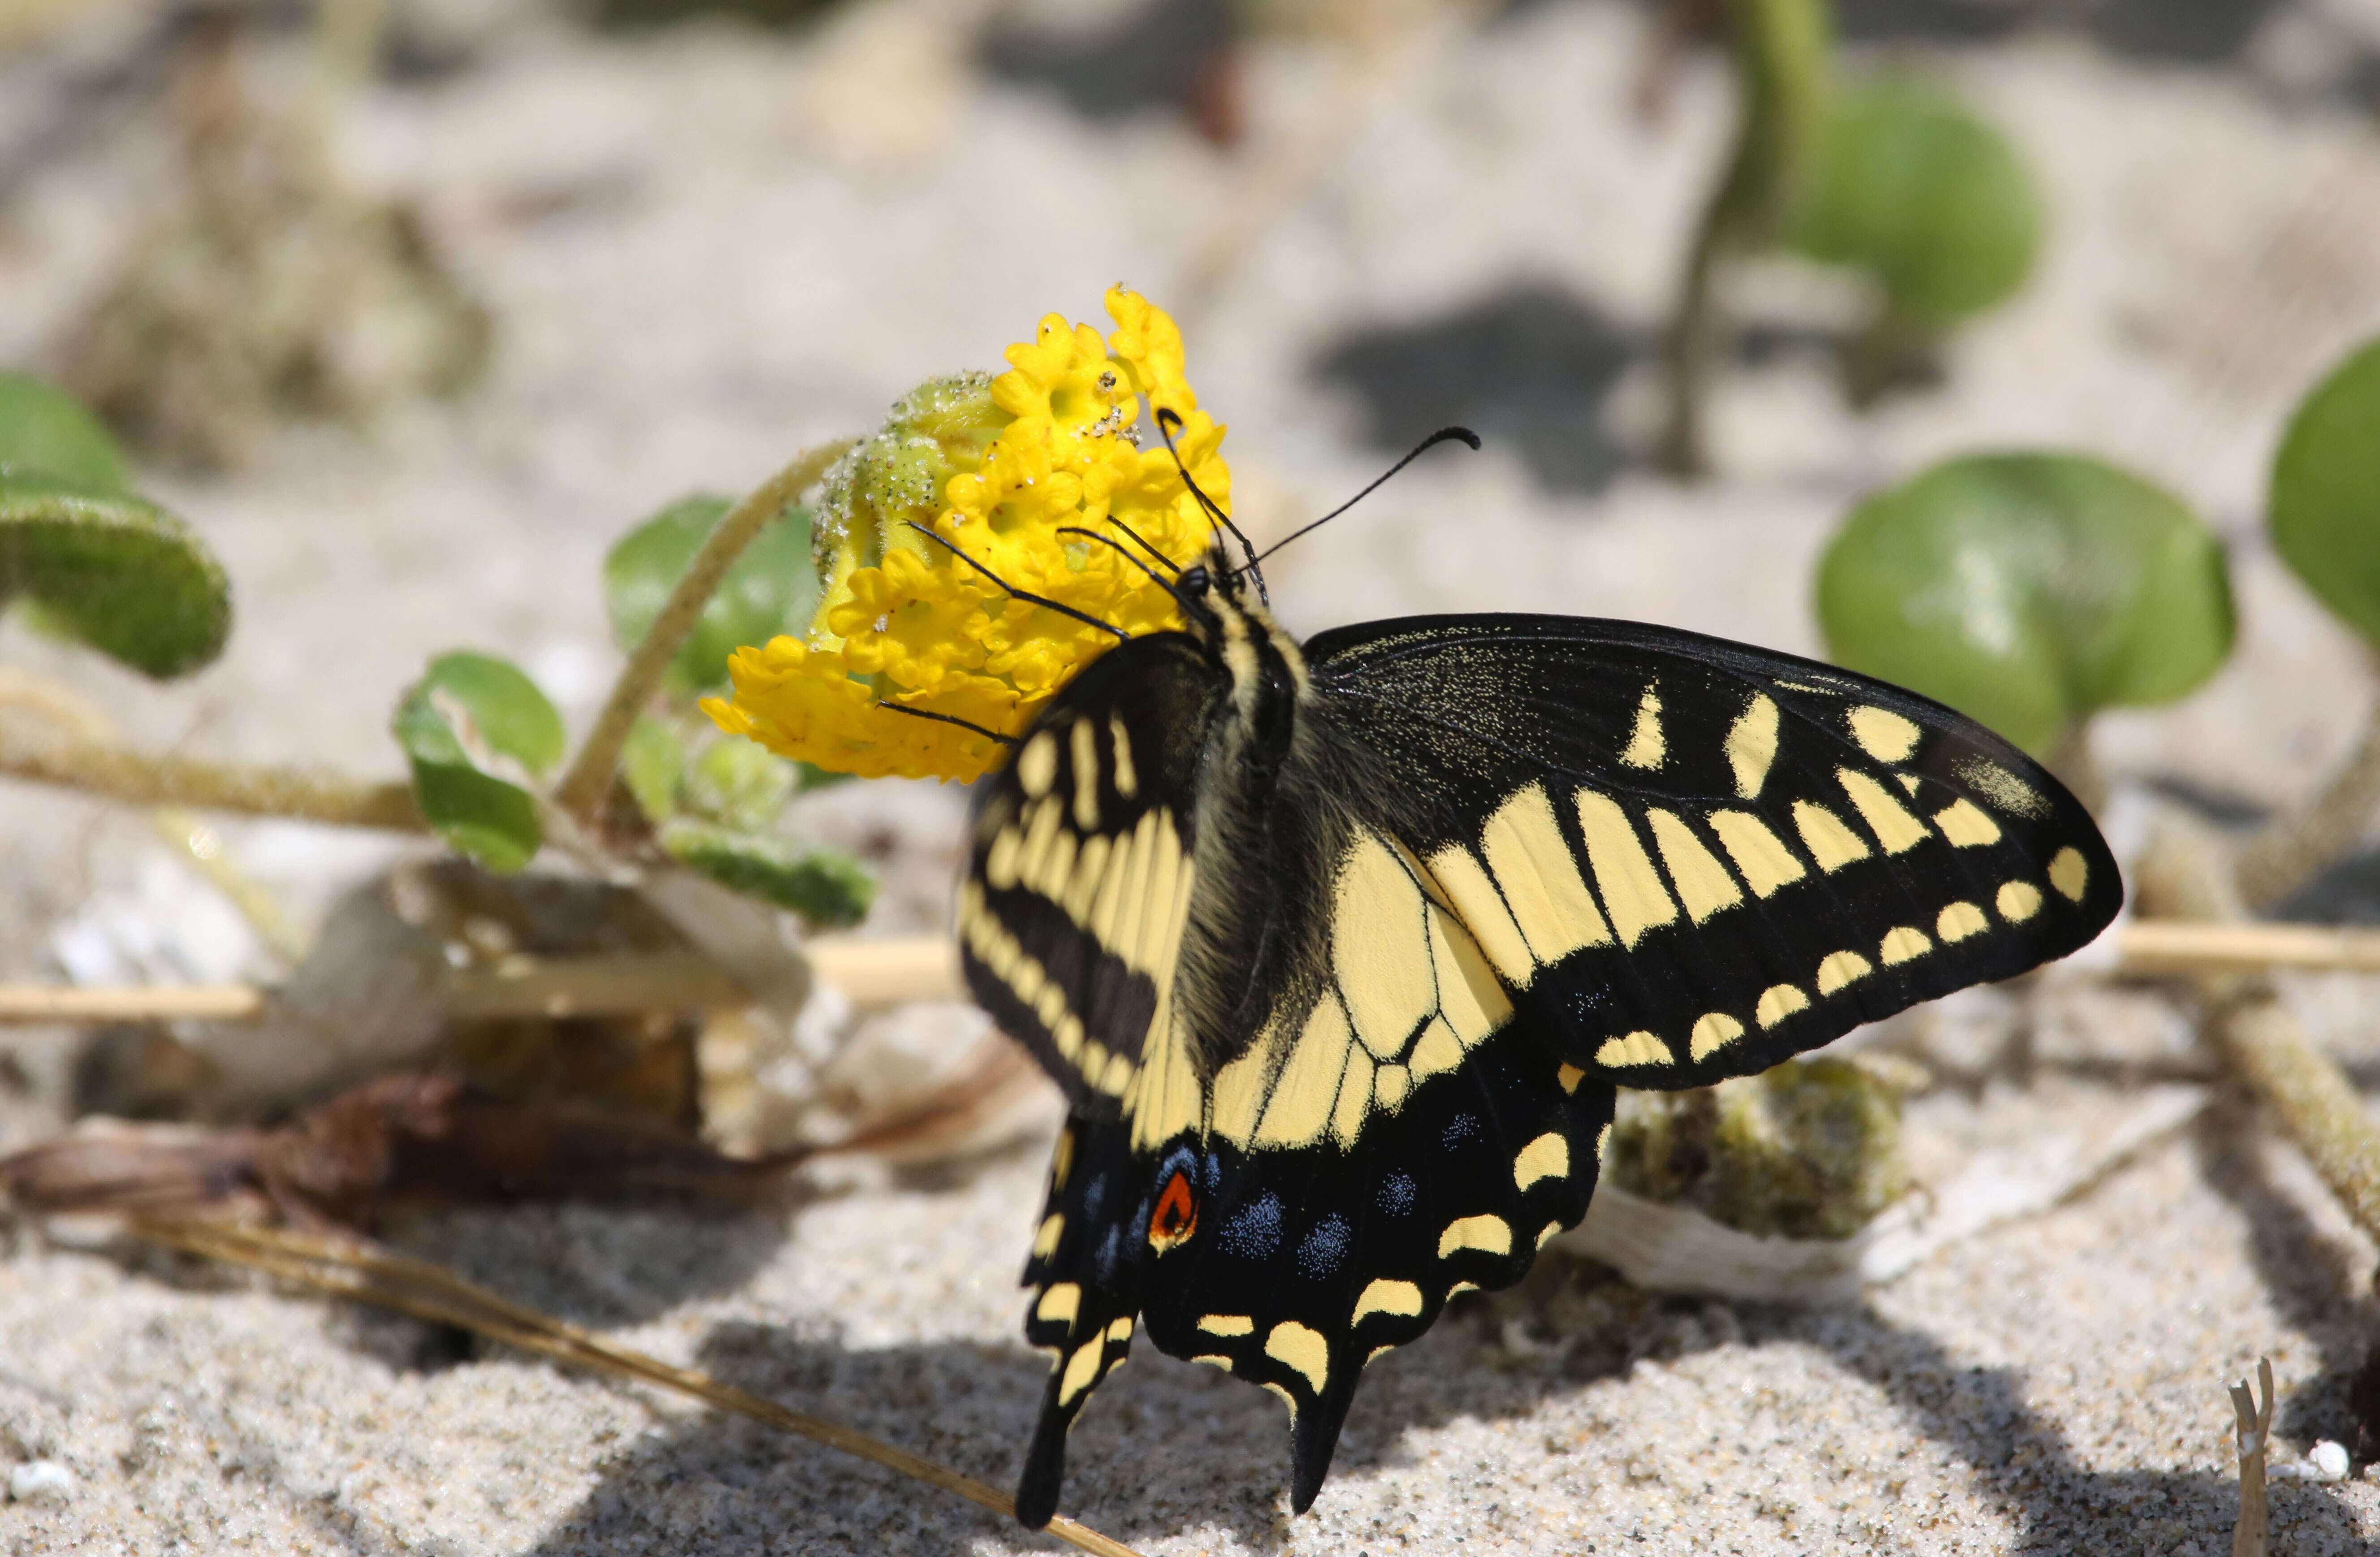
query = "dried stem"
{"x": 2297, "y": 845}
{"x": 137, "y": 778}
{"x": 417, "y": 1287}
{"x": 2185, "y": 876}
{"x": 2252, "y": 1440}
{"x": 583, "y": 789}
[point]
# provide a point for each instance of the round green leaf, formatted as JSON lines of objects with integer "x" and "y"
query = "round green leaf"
{"x": 464, "y": 726}
{"x": 824, "y": 887}
{"x": 46, "y": 431}
{"x": 1929, "y": 199}
{"x": 120, "y": 574}
{"x": 772, "y": 589}
{"x": 2326, "y": 498}
{"x": 479, "y": 815}
{"x": 469, "y": 703}
{"x": 2028, "y": 591}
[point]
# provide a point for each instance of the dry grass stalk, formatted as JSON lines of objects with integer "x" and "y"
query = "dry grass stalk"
{"x": 2253, "y": 1439}
{"x": 368, "y": 1274}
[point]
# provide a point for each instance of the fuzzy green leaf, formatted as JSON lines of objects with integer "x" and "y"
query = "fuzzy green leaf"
{"x": 824, "y": 887}
{"x": 473, "y": 728}
{"x": 46, "y": 431}
{"x": 2325, "y": 495}
{"x": 113, "y": 571}
{"x": 772, "y": 589}
{"x": 2028, "y": 591}
{"x": 1930, "y": 200}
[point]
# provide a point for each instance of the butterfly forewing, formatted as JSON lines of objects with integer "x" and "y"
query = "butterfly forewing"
{"x": 1688, "y": 859}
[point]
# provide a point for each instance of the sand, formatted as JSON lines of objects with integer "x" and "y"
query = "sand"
{"x": 693, "y": 281}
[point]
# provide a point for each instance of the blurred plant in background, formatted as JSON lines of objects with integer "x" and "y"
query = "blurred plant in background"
{"x": 271, "y": 288}
{"x": 1891, "y": 179}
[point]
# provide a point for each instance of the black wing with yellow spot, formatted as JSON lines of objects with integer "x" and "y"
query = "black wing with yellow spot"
{"x": 1686, "y": 858}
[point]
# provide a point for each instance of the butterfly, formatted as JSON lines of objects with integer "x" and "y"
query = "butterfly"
{"x": 1340, "y": 949}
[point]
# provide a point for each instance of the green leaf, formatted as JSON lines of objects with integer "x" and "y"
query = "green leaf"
{"x": 46, "y": 431}
{"x": 120, "y": 574}
{"x": 2028, "y": 591}
{"x": 772, "y": 589}
{"x": 650, "y": 765}
{"x": 2326, "y": 497}
{"x": 1913, "y": 189}
{"x": 823, "y": 886}
{"x": 472, "y": 727}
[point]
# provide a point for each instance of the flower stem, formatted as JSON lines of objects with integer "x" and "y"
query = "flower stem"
{"x": 2295, "y": 845}
{"x": 141, "y": 779}
{"x": 584, "y": 788}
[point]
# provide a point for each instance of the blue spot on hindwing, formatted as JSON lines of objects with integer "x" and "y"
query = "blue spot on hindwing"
{"x": 1254, "y": 1231}
{"x": 1459, "y": 1129}
{"x": 1325, "y": 1248}
{"x": 1396, "y": 1197}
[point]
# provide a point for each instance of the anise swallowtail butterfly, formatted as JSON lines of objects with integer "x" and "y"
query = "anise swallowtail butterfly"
{"x": 1341, "y": 949}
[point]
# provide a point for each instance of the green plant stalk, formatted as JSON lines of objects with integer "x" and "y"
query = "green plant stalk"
{"x": 140, "y": 779}
{"x": 2296, "y": 845}
{"x": 586, "y": 784}
{"x": 2184, "y": 876}
{"x": 1779, "y": 50}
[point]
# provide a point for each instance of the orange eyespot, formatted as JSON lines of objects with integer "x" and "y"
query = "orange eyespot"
{"x": 1176, "y": 1216}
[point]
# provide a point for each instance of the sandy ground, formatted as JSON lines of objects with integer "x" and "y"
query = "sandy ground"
{"x": 693, "y": 281}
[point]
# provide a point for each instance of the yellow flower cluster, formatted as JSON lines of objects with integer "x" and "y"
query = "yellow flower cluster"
{"x": 1051, "y": 444}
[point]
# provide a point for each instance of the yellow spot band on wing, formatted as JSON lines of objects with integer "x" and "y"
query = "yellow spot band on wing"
{"x": 1883, "y": 734}
{"x": 1059, "y": 1303}
{"x": 1959, "y": 920}
{"x": 1886, "y": 816}
{"x": 1701, "y": 882}
{"x": 1402, "y": 1299}
{"x": 1646, "y": 745}
{"x": 1966, "y": 825}
{"x": 2018, "y": 901}
{"x": 1037, "y": 765}
{"x": 1760, "y": 856}
{"x": 1546, "y": 1157}
{"x": 1632, "y": 892}
{"x": 1484, "y": 1233}
{"x": 1904, "y": 943}
{"x": 1714, "y": 1033}
{"x": 1752, "y": 745}
{"x": 1227, "y": 1324}
{"x": 1841, "y": 969}
{"x": 2070, "y": 873}
{"x": 1046, "y": 1236}
{"x": 1778, "y": 1002}
{"x": 1302, "y": 1349}
{"x": 1636, "y": 1049}
{"x": 1082, "y": 1370}
{"x": 1570, "y": 1076}
{"x": 1827, "y": 837}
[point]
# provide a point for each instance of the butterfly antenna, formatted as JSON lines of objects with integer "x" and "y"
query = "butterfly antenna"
{"x": 947, "y": 718}
{"x": 1168, "y": 418}
{"x": 1154, "y": 577}
{"x": 1443, "y": 435}
{"x": 1015, "y": 593}
{"x": 1162, "y": 560}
